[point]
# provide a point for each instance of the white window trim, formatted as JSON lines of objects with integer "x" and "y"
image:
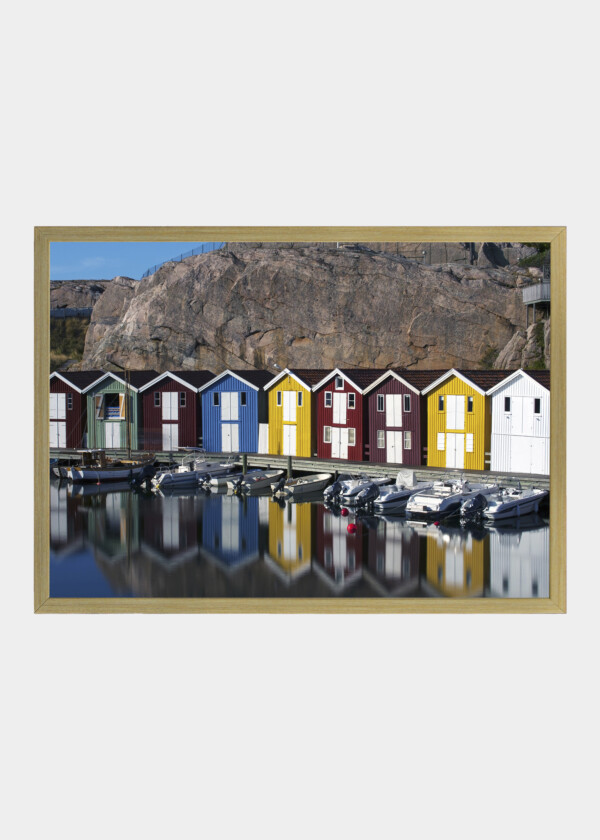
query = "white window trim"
{"x": 380, "y": 438}
{"x": 353, "y": 441}
{"x": 325, "y": 430}
{"x": 381, "y": 399}
{"x": 472, "y": 403}
{"x": 216, "y": 399}
{"x": 279, "y": 399}
{"x": 354, "y": 398}
{"x": 441, "y": 397}
{"x": 407, "y": 436}
{"x": 182, "y": 399}
{"x": 330, "y": 395}
{"x": 245, "y": 394}
{"x": 406, "y": 397}
{"x": 339, "y": 387}
{"x": 157, "y": 404}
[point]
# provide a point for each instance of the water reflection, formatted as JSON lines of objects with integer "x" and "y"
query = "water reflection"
{"x": 111, "y": 541}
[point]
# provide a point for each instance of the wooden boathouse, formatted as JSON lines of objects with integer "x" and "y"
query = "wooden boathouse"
{"x": 233, "y": 405}
{"x": 459, "y": 418}
{"x": 114, "y": 408}
{"x": 68, "y": 407}
{"x": 521, "y": 422}
{"x": 290, "y": 400}
{"x": 171, "y": 410}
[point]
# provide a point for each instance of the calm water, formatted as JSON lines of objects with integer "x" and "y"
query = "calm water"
{"x": 111, "y": 541}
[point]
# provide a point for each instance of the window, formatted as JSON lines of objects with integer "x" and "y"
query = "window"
{"x": 339, "y": 383}
{"x": 243, "y": 397}
{"x": 408, "y": 440}
{"x": 351, "y": 437}
{"x": 351, "y": 400}
{"x": 157, "y": 399}
{"x": 407, "y": 402}
{"x": 507, "y": 403}
{"x": 440, "y": 440}
{"x": 537, "y": 405}
{"x": 328, "y": 399}
{"x": 299, "y": 399}
{"x": 441, "y": 402}
{"x": 279, "y": 398}
{"x": 216, "y": 398}
{"x": 326, "y": 434}
{"x": 470, "y": 404}
{"x": 182, "y": 399}
{"x": 381, "y": 439}
{"x": 469, "y": 443}
{"x": 380, "y": 402}
{"x": 69, "y": 401}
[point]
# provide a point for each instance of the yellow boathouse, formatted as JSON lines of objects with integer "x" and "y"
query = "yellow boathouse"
{"x": 459, "y": 419}
{"x": 290, "y": 412}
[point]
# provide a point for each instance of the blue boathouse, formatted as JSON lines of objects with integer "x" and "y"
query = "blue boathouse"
{"x": 233, "y": 405}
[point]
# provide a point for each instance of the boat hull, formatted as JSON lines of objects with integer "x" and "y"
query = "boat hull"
{"x": 514, "y": 508}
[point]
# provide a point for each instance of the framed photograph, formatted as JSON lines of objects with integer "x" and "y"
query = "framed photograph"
{"x": 300, "y": 419}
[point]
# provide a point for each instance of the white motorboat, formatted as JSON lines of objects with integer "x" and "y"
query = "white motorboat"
{"x": 508, "y": 502}
{"x": 214, "y": 468}
{"x": 301, "y": 486}
{"x": 258, "y": 480}
{"x": 362, "y": 490}
{"x": 342, "y": 482}
{"x": 181, "y": 476}
{"x": 445, "y": 498}
{"x": 394, "y": 497}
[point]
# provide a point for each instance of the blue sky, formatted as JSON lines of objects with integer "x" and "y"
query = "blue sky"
{"x": 105, "y": 260}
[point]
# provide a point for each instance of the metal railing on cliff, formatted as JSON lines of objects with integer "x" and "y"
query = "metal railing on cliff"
{"x": 205, "y": 248}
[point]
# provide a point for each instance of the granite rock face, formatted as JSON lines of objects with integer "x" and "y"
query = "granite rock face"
{"x": 76, "y": 294}
{"x": 307, "y": 305}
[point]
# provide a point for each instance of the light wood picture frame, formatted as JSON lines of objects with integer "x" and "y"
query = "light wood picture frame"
{"x": 555, "y": 603}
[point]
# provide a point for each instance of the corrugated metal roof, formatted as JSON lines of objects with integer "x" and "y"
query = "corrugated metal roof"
{"x": 80, "y": 378}
{"x": 259, "y": 378}
{"x": 195, "y": 378}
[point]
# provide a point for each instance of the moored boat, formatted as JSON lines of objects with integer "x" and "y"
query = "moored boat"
{"x": 259, "y": 480}
{"x": 96, "y": 467}
{"x": 509, "y": 502}
{"x": 302, "y": 485}
{"x": 363, "y": 490}
{"x": 394, "y": 497}
{"x": 444, "y": 498}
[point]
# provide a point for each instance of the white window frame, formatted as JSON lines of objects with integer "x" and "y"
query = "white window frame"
{"x": 381, "y": 402}
{"x": 353, "y": 400}
{"x": 441, "y": 402}
{"x": 299, "y": 399}
{"x": 406, "y": 403}
{"x": 380, "y": 438}
{"x": 351, "y": 437}
{"x": 407, "y": 439}
{"x": 157, "y": 402}
{"x": 216, "y": 399}
{"x": 470, "y": 405}
{"x": 182, "y": 399}
{"x": 69, "y": 402}
{"x": 328, "y": 404}
{"x": 326, "y": 434}
{"x": 339, "y": 379}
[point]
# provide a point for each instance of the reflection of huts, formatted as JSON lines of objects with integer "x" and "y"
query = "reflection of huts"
{"x": 169, "y": 527}
{"x": 67, "y": 525}
{"x": 520, "y": 561}
{"x": 459, "y": 418}
{"x": 234, "y": 405}
{"x": 393, "y": 557}
{"x": 521, "y": 422}
{"x": 338, "y": 554}
{"x": 172, "y": 415}
{"x": 230, "y": 530}
{"x": 115, "y": 422}
{"x": 455, "y": 561}
{"x": 68, "y": 407}
{"x": 114, "y": 524}
{"x": 291, "y": 429}
{"x": 290, "y": 540}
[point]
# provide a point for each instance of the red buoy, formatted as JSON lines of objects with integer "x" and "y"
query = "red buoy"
{"x": 351, "y": 528}
{"x": 344, "y": 512}
{"x": 436, "y": 523}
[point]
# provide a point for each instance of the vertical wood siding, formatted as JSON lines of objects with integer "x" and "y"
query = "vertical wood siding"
{"x": 519, "y": 563}
{"x": 411, "y": 421}
{"x": 230, "y": 529}
{"x": 76, "y": 417}
{"x": 456, "y": 564}
{"x": 531, "y": 452}
{"x": 188, "y": 416}
{"x": 477, "y": 423}
{"x": 290, "y": 537}
{"x": 304, "y": 432}
{"x": 394, "y": 552}
{"x": 96, "y": 428}
{"x": 338, "y": 554}
{"x": 355, "y": 419}
{"x": 250, "y": 415}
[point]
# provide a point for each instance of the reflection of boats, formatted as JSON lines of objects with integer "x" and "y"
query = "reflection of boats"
{"x": 445, "y": 498}
{"x": 509, "y": 502}
{"x": 393, "y": 497}
{"x": 303, "y": 485}
{"x": 360, "y": 489}
{"x": 80, "y": 490}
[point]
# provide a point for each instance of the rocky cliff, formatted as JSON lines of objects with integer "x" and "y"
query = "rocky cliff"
{"x": 76, "y": 294}
{"x": 316, "y": 305}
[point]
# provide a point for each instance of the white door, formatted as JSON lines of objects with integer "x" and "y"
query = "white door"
{"x": 339, "y": 408}
{"x": 289, "y": 440}
{"x": 230, "y": 438}
{"x": 170, "y": 405}
{"x": 455, "y": 451}
{"x": 516, "y": 416}
{"x": 344, "y": 443}
{"x": 289, "y": 406}
{"x": 335, "y": 442}
{"x": 263, "y": 438}
{"x": 170, "y": 436}
{"x": 393, "y": 410}
{"x": 455, "y": 412}
{"x": 57, "y": 406}
{"x": 394, "y": 447}
{"x": 112, "y": 435}
{"x": 58, "y": 435}
{"x": 229, "y": 405}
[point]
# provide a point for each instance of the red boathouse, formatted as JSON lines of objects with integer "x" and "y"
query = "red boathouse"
{"x": 68, "y": 407}
{"x": 172, "y": 412}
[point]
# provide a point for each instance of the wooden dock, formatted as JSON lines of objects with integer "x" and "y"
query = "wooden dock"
{"x": 307, "y": 465}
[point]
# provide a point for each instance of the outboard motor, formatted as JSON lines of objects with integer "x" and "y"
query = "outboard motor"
{"x": 333, "y": 491}
{"x": 472, "y": 508}
{"x": 144, "y": 477}
{"x": 367, "y": 495}
{"x": 280, "y": 484}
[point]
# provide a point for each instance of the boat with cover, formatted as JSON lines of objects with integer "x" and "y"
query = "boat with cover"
{"x": 509, "y": 502}
{"x": 393, "y": 497}
{"x": 445, "y": 498}
{"x": 256, "y": 480}
{"x": 302, "y": 485}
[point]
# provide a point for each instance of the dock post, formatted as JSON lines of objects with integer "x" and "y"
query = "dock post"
{"x": 289, "y": 466}
{"x": 244, "y": 463}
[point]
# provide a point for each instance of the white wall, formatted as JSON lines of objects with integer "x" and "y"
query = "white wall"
{"x": 531, "y": 453}
{"x": 262, "y": 113}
